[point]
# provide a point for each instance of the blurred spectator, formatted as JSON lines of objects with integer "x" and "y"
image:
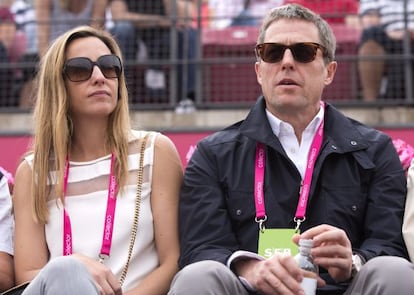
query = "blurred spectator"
{"x": 146, "y": 25}
{"x": 7, "y": 35}
{"x": 26, "y": 46}
{"x": 25, "y": 19}
{"x": 225, "y": 13}
{"x": 42, "y": 23}
{"x": 384, "y": 31}
{"x": 27, "y": 90}
{"x": 334, "y": 12}
{"x": 7, "y": 29}
{"x": 221, "y": 12}
{"x": 55, "y": 17}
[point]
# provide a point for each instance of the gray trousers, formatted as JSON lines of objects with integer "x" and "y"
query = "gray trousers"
{"x": 384, "y": 275}
{"x": 64, "y": 276}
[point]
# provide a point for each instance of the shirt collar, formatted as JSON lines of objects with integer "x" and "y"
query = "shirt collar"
{"x": 276, "y": 124}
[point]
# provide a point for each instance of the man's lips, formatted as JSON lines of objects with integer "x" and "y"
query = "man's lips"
{"x": 287, "y": 82}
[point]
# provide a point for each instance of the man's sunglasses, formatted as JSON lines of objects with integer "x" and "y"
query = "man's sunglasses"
{"x": 303, "y": 52}
{"x": 80, "y": 68}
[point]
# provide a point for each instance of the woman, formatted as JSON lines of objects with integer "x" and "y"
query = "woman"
{"x": 82, "y": 142}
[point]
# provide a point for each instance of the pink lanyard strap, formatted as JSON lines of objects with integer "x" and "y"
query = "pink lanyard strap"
{"x": 307, "y": 180}
{"x": 109, "y": 216}
{"x": 259, "y": 184}
{"x": 260, "y": 163}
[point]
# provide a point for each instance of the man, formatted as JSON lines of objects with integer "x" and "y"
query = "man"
{"x": 293, "y": 163}
{"x": 384, "y": 32}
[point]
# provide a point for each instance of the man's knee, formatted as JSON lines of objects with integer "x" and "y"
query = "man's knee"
{"x": 204, "y": 277}
{"x": 206, "y": 269}
{"x": 389, "y": 273}
{"x": 371, "y": 47}
{"x": 386, "y": 265}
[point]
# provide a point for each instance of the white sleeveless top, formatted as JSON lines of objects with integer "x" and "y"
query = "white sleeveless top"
{"x": 86, "y": 201}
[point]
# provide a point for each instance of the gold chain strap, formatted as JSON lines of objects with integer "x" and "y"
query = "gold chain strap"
{"x": 137, "y": 208}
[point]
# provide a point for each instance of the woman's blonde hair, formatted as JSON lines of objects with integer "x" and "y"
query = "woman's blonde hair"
{"x": 53, "y": 128}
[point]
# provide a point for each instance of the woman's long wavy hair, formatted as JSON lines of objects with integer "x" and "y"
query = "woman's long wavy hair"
{"x": 53, "y": 128}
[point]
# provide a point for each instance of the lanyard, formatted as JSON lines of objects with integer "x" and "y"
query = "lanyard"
{"x": 109, "y": 216}
{"x": 260, "y": 164}
{"x": 259, "y": 184}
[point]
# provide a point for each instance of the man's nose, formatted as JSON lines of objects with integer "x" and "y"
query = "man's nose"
{"x": 287, "y": 56}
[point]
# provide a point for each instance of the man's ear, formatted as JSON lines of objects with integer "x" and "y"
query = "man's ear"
{"x": 258, "y": 73}
{"x": 331, "y": 70}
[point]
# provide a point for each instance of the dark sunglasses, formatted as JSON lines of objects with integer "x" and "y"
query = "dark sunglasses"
{"x": 303, "y": 52}
{"x": 80, "y": 68}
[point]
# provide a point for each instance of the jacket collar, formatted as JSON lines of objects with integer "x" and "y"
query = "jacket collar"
{"x": 257, "y": 127}
{"x": 340, "y": 132}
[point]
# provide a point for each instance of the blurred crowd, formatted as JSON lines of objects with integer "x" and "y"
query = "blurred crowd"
{"x": 160, "y": 33}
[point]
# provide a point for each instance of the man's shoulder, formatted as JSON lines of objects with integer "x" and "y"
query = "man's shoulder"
{"x": 368, "y": 132}
{"x": 226, "y": 135}
{"x": 340, "y": 125}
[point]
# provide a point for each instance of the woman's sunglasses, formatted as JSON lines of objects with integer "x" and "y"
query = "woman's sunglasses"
{"x": 80, "y": 68}
{"x": 303, "y": 52}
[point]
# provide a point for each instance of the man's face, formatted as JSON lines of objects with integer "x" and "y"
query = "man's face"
{"x": 289, "y": 85}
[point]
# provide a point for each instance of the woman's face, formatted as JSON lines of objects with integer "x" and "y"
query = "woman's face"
{"x": 97, "y": 95}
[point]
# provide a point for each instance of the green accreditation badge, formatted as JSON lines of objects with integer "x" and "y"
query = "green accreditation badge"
{"x": 276, "y": 241}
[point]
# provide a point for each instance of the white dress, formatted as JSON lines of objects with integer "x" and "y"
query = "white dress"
{"x": 86, "y": 200}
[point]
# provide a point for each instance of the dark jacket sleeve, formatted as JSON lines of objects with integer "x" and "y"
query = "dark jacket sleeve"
{"x": 386, "y": 201}
{"x": 205, "y": 227}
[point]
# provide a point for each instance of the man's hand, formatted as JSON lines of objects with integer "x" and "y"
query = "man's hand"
{"x": 279, "y": 274}
{"x": 332, "y": 250}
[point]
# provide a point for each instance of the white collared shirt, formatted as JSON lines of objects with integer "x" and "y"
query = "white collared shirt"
{"x": 296, "y": 151}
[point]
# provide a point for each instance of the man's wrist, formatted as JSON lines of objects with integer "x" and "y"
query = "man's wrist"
{"x": 235, "y": 262}
{"x": 242, "y": 255}
{"x": 357, "y": 262}
{"x": 246, "y": 284}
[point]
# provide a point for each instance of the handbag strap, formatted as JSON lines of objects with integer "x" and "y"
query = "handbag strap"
{"x": 137, "y": 208}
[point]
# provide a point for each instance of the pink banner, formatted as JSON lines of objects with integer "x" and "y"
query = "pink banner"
{"x": 13, "y": 147}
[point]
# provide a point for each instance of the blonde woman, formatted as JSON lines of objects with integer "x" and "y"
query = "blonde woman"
{"x": 84, "y": 162}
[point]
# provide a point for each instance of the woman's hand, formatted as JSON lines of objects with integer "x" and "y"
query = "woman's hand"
{"x": 105, "y": 280}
